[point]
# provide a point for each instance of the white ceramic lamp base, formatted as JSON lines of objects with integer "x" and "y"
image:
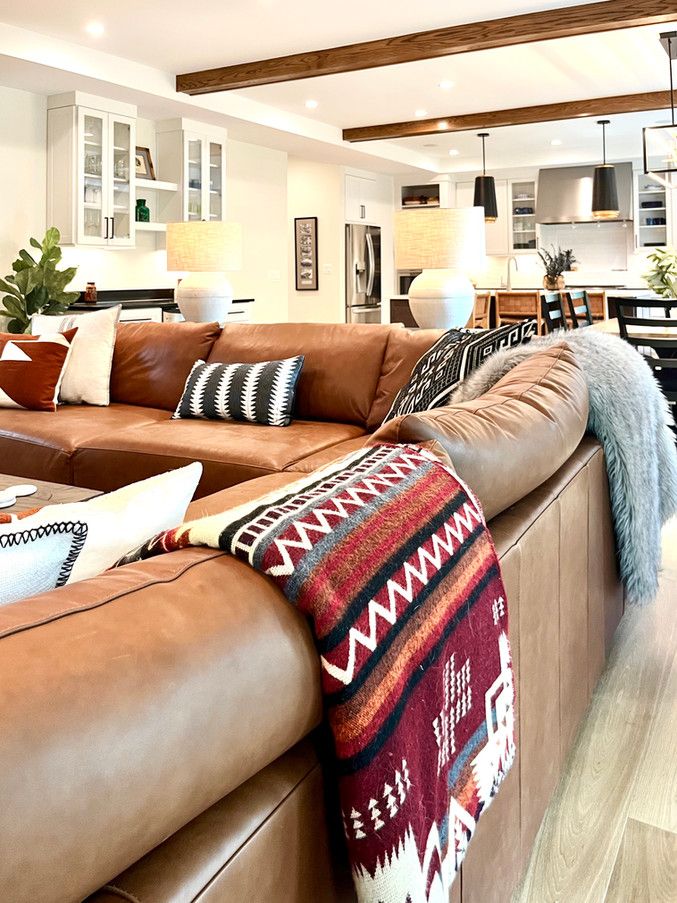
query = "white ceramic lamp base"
{"x": 441, "y": 299}
{"x": 204, "y": 297}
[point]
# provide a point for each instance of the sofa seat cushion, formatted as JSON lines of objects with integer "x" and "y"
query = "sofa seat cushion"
{"x": 230, "y": 452}
{"x": 39, "y": 446}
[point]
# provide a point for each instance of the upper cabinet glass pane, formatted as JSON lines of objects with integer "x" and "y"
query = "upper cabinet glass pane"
{"x": 122, "y": 161}
{"x": 195, "y": 177}
{"x": 215, "y": 181}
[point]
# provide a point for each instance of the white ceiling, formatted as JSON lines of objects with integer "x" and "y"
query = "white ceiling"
{"x": 179, "y": 37}
{"x": 621, "y": 62}
{"x": 172, "y": 38}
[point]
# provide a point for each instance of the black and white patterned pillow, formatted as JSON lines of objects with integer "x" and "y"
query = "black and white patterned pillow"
{"x": 257, "y": 393}
{"x": 450, "y": 360}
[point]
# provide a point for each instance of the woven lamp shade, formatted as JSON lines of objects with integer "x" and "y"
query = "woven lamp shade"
{"x": 204, "y": 247}
{"x": 441, "y": 239}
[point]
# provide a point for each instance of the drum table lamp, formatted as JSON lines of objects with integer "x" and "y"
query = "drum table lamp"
{"x": 448, "y": 245}
{"x": 205, "y": 251}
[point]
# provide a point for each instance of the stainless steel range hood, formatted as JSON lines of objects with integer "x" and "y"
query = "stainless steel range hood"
{"x": 565, "y": 194}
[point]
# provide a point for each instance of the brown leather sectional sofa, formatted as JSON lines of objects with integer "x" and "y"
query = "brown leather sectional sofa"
{"x": 161, "y": 724}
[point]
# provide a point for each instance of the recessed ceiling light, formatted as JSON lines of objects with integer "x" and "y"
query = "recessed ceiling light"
{"x": 420, "y": 113}
{"x": 95, "y": 29}
{"x": 312, "y": 105}
{"x": 556, "y": 142}
{"x": 446, "y": 85}
{"x": 454, "y": 152}
{"x": 430, "y": 145}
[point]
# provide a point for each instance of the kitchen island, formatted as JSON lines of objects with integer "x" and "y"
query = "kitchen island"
{"x": 511, "y": 303}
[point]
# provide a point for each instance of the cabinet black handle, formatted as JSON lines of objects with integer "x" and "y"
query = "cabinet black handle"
{"x": 106, "y": 221}
{"x": 363, "y": 211}
{"x": 112, "y": 227}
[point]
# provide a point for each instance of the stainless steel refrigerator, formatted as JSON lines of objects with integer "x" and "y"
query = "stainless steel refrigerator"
{"x": 363, "y": 274}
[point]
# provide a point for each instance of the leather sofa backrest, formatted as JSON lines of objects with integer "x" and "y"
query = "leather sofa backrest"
{"x": 342, "y": 362}
{"x": 405, "y": 347}
{"x": 514, "y": 437}
{"x": 152, "y": 361}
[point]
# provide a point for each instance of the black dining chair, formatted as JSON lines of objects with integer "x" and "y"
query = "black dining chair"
{"x": 579, "y": 309}
{"x": 553, "y": 311}
{"x": 651, "y": 327}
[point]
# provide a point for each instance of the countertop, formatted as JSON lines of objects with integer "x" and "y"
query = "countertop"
{"x": 133, "y": 299}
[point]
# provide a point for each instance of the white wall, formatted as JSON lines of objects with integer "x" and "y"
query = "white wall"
{"x": 256, "y": 197}
{"x": 317, "y": 189}
{"x": 23, "y": 130}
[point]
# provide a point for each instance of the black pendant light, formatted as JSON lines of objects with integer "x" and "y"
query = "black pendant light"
{"x": 485, "y": 188}
{"x": 604, "y": 191}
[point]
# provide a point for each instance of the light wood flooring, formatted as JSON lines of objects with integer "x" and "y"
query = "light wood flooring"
{"x": 610, "y": 834}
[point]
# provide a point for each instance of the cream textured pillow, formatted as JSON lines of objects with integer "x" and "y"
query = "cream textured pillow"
{"x": 87, "y": 376}
{"x": 62, "y": 544}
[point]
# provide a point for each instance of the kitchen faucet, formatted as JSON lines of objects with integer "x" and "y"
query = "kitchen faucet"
{"x": 509, "y": 275}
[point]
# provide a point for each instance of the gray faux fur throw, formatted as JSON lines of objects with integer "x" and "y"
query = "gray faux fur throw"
{"x": 629, "y": 415}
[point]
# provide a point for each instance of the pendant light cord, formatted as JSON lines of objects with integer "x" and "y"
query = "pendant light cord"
{"x": 484, "y": 152}
{"x": 604, "y": 142}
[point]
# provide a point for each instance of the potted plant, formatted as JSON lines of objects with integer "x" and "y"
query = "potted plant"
{"x": 662, "y": 277}
{"x": 556, "y": 262}
{"x": 36, "y": 286}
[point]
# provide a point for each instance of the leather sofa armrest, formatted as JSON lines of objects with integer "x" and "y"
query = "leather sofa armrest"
{"x": 515, "y": 436}
{"x": 132, "y": 702}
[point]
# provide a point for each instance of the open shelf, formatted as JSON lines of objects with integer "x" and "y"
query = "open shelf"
{"x": 155, "y": 185}
{"x": 151, "y": 227}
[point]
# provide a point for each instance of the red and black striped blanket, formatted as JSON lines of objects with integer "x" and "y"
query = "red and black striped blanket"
{"x": 388, "y": 555}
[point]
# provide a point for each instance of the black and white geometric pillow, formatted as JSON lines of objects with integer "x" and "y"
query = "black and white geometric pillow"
{"x": 450, "y": 360}
{"x": 256, "y": 393}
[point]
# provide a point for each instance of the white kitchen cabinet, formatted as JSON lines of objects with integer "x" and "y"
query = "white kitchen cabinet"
{"x": 653, "y": 223}
{"x": 362, "y": 198}
{"x": 194, "y": 156}
{"x": 498, "y": 233}
{"x": 90, "y": 170}
{"x": 522, "y": 218}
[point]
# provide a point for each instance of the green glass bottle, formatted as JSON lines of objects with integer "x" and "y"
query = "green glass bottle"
{"x": 142, "y": 211}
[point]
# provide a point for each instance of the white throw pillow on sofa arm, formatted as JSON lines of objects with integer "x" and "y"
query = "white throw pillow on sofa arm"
{"x": 61, "y": 544}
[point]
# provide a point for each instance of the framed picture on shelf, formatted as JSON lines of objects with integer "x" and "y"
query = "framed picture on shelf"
{"x": 305, "y": 233}
{"x": 144, "y": 164}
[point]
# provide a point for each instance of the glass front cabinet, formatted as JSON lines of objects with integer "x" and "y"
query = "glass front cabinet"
{"x": 194, "y": 156}
{"x": 90, "y": 171}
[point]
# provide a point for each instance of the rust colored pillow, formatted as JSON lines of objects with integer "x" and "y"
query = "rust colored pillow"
{"x": 11, "y": 337}
{"x": 31, "y": 369}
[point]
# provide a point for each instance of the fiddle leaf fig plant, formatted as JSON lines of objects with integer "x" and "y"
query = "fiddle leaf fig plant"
{"x": 36, "y": 286}
{"x": 662, "y": 277}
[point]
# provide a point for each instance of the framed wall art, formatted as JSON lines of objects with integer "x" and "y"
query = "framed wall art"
{"x": 305, "y": 233}
{"x": 144, "y": 164}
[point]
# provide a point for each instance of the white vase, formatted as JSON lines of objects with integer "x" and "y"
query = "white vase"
{"x": 441, "y": 299}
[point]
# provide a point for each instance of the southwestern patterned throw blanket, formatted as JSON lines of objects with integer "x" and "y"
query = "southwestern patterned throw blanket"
{"x": 388, "y": 555}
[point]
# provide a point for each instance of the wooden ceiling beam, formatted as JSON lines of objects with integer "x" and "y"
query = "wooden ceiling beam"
{"x": 564, "y": 22}
{"x": 549, "y": 112}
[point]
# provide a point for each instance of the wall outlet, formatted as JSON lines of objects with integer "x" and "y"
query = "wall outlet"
{"x": 274, "y": 275}
{"x": 327, "y": 269}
